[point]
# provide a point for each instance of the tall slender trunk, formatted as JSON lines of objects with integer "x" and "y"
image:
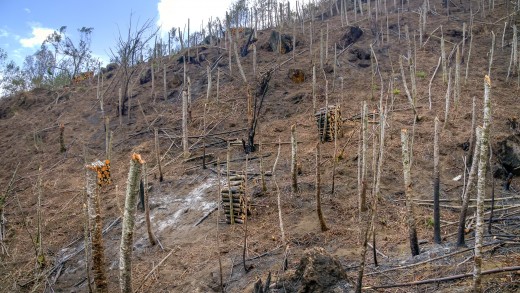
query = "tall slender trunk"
{"x": 294, "y": 169}
{"x": 323, "y": 225}
{"x": 412, "y": 232}
{"x": 127, "y": 234}
{"x": 481, "y": 187}
{"x": 151, "y": 235}
{"x": 436, "y": 186}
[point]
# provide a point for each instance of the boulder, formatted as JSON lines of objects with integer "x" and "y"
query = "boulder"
{"x": 317, "y": 272}
{"x": 110, "y": 67}
{"x": 352, "y": 35}
{"x": 286, "y": 42}
{"x": 507, "y": 153}
{"x": 145, "y": 76}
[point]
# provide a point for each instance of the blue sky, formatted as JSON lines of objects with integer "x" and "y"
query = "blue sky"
{"x": 24, "y": 24}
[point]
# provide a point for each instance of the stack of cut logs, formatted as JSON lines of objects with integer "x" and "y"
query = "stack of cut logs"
{"x": 233, "y": 199}
{"x": 326, "y": 120}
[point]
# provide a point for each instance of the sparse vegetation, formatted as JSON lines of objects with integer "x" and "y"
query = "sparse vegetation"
{"x": 294, "y": 189}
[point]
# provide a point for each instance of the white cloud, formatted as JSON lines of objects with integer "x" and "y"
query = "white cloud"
{"x": 175, "y": 13}
{"x": 27, "y": 10}
{"x": 3, "y": 33}
{"x": 39, "y": 34}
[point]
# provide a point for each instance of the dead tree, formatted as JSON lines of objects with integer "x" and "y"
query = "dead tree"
{"x": 481, "y": 186}
{"x": 127, "y": 234}
{"x": 151, "y": 235}
{"x": 98, "y": 175}
{"x": 466, "y": 195}
{"x": 294, "y": 169}
{"x": 258, "y": 101}
{"x": 323, "y": 225}
{"x": 414, "y": 243}
{"x": 436, "y": 186}
{"x": 127, "y": 50}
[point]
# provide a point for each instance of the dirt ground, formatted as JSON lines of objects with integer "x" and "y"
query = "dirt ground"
{"x": 188, "y": 258}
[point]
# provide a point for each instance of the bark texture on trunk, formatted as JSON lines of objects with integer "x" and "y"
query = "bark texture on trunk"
{"x": 412, "y": 232}
{"x": 127, "y": 235}
{"x": 481, "y": 188}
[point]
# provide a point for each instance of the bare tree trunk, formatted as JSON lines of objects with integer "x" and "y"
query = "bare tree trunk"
{"x": 62, "y": 139}
{"x": 323, "y": 225}
{"x": 218, "y": 220}
{"x": 364, "y": 139}
{"x": 244, "y": 250}
{"x": 164, "y": 82}
{"x": 364, "y": 245}
{"x": 414, "y": 244}
{"x": 282, "y": 232}
{"x": 153, "y": 80}
{"x": 436, "y": 186}
{"x": 185, "y": 124}
{"x": 218, "y": 83}
{"x": 313, "y": 89}
{"x": 86, "y": 240}
{"x": 468, "y": 189}
{"x": 40, "y": 256}
{"x": 107, "y": 138}
{"x": 158, "y": 154}
{"x": 94, "y": 210}
{"x": 127, "y": 235}
{"x": 262, "y": 176}
{"x": 294, "y": 169}
{"x": 146, "y": 203}
{"x": 481, "y": 186}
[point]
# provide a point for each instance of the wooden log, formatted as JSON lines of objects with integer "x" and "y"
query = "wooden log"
{"x": 233, "y": 190}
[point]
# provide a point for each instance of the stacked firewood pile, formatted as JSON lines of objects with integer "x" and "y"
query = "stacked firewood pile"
{"x": 327, "y": 120}
{"x": 234, "y": 200}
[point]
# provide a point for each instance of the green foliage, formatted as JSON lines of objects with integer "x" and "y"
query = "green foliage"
{"x": 396, "y": 91}
{"x": 420, "y": 74}
{"x": 428, "y": 222}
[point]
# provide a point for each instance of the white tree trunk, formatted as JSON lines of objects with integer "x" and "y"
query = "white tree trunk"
{"x": 481, "y": 187}
{"x": 414, "y": 244}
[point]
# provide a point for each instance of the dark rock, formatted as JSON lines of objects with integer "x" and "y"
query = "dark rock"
{"x": 145, "y": 77}
{"x": 361, "y": 54}
{"x": 507, "y": 153}
{"x": 328, "y": 68}
{"x": 296, "y": 75}
{"x": 363, "y": 64}
{"x": 350, "y": 37}
{"x": 286, "y": 42}
{"x": 317, "y": 272}
{"x": 110, "y": 67}
{"x": 189, "y": 60}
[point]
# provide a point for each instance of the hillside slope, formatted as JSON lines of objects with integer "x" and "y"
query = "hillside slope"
{"x": 29, "y": 139}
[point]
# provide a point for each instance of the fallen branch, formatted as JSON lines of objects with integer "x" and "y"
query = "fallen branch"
{"x": 449, "y": 278}
{"x": 206, "y": 216}
{"x": 153, "y": 270}
{"x": 429, "y": 260}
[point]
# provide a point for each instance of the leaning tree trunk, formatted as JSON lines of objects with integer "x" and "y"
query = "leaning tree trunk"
{"x": 481, "y": 187}
{"x": 466, "y": 195}
{"x": 125, "y": 250}
{"x": 414, "y": 244}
